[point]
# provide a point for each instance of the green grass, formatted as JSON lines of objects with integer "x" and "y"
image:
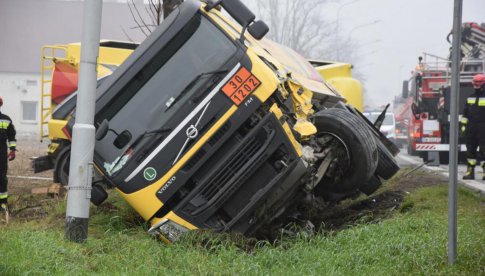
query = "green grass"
{"x": 413, "y": 241}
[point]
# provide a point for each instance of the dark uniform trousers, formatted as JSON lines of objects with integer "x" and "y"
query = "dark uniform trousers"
{"x": 3, "y": 167}
{"x": 7, "y": 140}
{"x": 475, "y": 138}
{"x": 474, "y": 119}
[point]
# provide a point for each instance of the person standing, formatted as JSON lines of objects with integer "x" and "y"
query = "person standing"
{"x": 7, "y": 141}
{"x": 473, "y": 127}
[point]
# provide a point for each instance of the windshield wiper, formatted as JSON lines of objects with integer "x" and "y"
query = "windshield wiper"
{"x": 189, "y": 86}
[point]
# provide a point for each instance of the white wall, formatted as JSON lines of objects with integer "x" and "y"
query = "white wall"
{"x": 21, "y": 93}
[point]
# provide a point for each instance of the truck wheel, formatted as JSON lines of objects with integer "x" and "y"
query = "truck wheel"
{"x": 387, "y": 166}
{"x": 355, "y": 151}
{"x": 391, "y": 147}
{"x": 411, "y": 151}
{"x": 62, "y": 166}
{"x": 371, "y": 186}
{"x": 444, "y": 157}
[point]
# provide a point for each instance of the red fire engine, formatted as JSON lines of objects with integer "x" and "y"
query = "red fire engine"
{"x": 429, "y": 89}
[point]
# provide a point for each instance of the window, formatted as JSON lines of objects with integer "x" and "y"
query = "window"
{"x": 29, "y": 111}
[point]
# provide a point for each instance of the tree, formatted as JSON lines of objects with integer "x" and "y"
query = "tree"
{"x": 297, "y": 24}
{"x": 300, "y": 25}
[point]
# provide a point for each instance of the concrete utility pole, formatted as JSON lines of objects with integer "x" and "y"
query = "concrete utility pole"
{"x": 81, "y": 165}
{"x": 453, "y": 164}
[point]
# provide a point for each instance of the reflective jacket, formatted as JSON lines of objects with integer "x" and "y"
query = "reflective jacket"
{"x": 7, "y": 132}
{"x": 474, "y": 112}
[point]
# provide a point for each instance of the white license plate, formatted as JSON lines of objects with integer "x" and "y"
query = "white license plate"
{"x": 431, "y": 140}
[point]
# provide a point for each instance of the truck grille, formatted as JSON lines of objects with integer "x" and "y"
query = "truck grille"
{"x": 231, "y": 168}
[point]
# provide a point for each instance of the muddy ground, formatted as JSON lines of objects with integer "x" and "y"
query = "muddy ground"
{"x": 26, "y": 206}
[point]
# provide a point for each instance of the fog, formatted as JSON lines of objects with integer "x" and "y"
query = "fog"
{"x": 405, "y": 30}
{"x": 389, "y": 35}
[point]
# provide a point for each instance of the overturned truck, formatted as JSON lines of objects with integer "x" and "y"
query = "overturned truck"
{"x": 209, "y": 125}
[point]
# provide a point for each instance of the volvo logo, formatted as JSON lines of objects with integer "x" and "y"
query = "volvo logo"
{"x": 192, "y": 132}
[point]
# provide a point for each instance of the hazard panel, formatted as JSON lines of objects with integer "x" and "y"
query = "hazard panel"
{"x": 240, "y": 86}
{"x": 437, "y": 147}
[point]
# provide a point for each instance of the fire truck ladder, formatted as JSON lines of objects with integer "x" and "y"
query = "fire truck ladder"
{"x": 50, "y": 54}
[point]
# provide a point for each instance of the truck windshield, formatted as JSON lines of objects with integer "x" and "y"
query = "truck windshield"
{"x": 199, "y": 48}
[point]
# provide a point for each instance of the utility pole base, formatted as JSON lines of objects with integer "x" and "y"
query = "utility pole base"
{"x": 76, "y": 229}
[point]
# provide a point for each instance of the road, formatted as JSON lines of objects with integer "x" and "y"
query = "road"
{"x": 406, "y": 160}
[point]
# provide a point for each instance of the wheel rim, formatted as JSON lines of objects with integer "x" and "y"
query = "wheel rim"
{"x": 341, "y": 155}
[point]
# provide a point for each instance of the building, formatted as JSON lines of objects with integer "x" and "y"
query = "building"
{"x": 27, "y": 25}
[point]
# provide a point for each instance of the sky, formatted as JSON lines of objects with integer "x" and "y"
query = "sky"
{"x": 405, "y": 29}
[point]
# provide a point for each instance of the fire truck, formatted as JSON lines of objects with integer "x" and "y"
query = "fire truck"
{"x": 429, "y": 88}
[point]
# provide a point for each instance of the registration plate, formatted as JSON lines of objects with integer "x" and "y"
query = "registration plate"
{"x": 240, "y": 86}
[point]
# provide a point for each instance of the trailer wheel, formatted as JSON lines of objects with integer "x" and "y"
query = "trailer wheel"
{"x": 387, "y": 166}
{"x": 355, "y": 151}
{"x": 61, "y": 169}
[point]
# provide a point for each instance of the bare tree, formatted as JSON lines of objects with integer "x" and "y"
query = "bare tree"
{"x": 296, "y": 23}
{"x": 300, "y": 25}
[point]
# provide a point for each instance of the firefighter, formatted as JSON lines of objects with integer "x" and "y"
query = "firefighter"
{"x": 473, "y": 126}
{"x": 7, "y": 140}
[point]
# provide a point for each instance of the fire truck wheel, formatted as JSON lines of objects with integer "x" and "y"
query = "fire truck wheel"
{"x": 62, "y": 166}
{"x": 355, "y": 151}
{"x": 411, "y": 151}
{"x": 371, "y": 186}
{"x": 444, "y": 157}
{"x": 387, "y": 165}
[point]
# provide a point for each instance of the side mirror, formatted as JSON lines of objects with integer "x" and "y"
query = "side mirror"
{"x": 405, "y": 89}
{"x": 102, "y": 130}
{"x": 123, "y": 139}
{"x": 242, "y": 14}
{"x": 211, "y": 4}
{"x": 258, "y": 29}
{"x": 415, "y": 110}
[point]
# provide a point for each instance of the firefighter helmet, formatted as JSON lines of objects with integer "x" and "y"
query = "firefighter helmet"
{"x": 478, "y": 80}
{"x": 1, "y": 101}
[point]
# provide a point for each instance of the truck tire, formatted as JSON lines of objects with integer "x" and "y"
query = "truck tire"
{"x": 371, "y": 186}
{"x": 360, "y": 147}
{"x": 61, "y": 169}
{"x": 411, "y": 151}
{"x": 391, "y": 147}
{"x": 387, "y": 165}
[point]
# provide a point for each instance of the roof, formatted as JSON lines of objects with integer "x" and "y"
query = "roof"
{"x": 27, "y": 25}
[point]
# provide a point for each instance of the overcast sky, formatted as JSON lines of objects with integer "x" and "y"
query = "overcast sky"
{"x": 405, "y": 30}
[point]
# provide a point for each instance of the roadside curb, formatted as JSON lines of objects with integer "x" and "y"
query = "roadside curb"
{"x": 471, "y": 184}
{"x": 474, "y": 185}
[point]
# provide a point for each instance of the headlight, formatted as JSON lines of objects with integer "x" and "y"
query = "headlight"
{"x": 168, "y": 229}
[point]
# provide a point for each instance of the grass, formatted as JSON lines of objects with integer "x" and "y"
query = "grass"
{"x": 413, "y": 241}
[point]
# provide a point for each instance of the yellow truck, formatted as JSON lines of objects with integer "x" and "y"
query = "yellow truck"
{"x": 207, "y": 124}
